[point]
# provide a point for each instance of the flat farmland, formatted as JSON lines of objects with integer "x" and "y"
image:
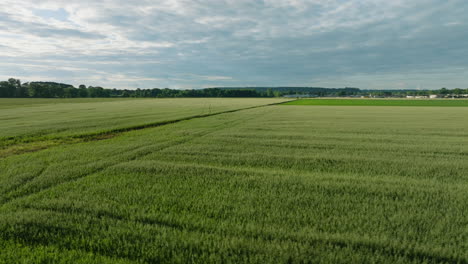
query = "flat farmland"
{"x": 33, "y": 119}
{"x": 272, "y": 184}
{"x": 33, "y": 124}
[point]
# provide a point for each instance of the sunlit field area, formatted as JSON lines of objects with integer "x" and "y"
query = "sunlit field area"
{"x": 271, "y": 184}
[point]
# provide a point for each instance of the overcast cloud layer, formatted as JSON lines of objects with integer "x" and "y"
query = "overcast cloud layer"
{"x": 378, "y": 44}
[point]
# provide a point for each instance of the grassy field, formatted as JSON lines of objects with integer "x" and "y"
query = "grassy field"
{"x": 52, "y": 118}
{"x": 32, "y": 124}
{"x": 274, "y": 184}
{"x": 381, "y": 102}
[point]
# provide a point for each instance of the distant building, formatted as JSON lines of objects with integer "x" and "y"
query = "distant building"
{"x": 417, "y": 96}
{"x": 433, "y": 96}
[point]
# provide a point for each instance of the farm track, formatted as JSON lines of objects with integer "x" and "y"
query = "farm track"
{"x": 137, "y": 153}
{"x": 141, "y": 153}
{"x": 34, "y": 144}
{"x": 387, "y": 247}
{"x": 22, "y": 182}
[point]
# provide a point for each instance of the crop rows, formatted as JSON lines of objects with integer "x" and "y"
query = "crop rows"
{"x": 277, "y": 184}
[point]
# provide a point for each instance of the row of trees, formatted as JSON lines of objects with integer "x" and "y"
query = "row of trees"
{"x": 313, "y": 91}
{"x": 14, "y": 88}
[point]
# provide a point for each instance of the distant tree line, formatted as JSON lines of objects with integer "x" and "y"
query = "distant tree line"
{"x": 14, "y": 88}
{"x": 311, "y": 91}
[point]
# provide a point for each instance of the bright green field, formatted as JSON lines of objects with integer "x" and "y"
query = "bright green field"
{"x": 381, "y": 102}
{"x": 275, "y": 184}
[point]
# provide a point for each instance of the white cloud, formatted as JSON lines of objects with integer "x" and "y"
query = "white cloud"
{"x": 270, "y": 42}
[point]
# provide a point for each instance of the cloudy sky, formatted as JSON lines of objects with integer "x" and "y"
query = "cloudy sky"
{"x": 378, "y": 44}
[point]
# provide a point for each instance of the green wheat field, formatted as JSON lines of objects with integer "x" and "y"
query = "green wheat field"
{"x": 233, "y": 181}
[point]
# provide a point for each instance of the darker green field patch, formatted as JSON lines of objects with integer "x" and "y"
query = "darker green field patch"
{"x": 379, "y": 102}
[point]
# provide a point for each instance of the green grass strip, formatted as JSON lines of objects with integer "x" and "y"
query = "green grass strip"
{"x": 381, "y": 102}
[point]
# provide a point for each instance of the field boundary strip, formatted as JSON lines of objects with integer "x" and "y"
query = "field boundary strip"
{"x": 380, "y": 102}
{"x": 31, "y": 145}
